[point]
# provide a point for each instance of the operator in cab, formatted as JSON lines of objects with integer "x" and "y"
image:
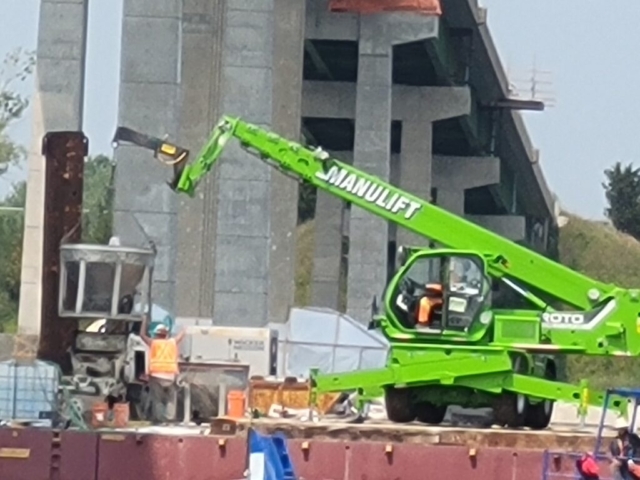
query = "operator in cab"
{"x": 163, "y": 370}
{"x": 624, "y": 449}
{"x": 429, "y": 303}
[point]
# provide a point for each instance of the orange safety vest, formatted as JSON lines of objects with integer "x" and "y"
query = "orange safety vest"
{"x": 163, "y": 357}
{"x": 427, "y": 304}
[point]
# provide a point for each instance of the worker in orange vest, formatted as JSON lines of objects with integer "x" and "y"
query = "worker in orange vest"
{"x": 163, "y": 370}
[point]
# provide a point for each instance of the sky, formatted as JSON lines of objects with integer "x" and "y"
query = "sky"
{"x": 590, "y": 54}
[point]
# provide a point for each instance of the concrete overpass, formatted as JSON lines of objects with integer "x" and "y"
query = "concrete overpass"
{"x": 455, "y": 135}
{"x": 421, "y": 101}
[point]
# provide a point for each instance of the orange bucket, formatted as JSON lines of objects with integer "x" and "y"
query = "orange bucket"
{"x": 99, "y": 414}
{"x": 120, "y": 415}
{"x": 236, "y": 404}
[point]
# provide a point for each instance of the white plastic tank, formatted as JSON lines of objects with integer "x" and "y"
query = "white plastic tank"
{"x": 29, "y": 392}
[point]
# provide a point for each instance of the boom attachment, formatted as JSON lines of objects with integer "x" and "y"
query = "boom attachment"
{"x": 165, "y": 152}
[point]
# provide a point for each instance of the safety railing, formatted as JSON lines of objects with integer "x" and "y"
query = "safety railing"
{"x": 563, "y": 466}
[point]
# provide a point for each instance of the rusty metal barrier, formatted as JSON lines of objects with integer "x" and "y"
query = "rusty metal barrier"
{"x": 170, "y": 457}
{"x": 407, "y": 461}
{"x": 38, "y": 454}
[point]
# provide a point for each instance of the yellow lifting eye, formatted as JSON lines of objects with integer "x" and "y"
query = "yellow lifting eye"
{"x": 168, "y": 149}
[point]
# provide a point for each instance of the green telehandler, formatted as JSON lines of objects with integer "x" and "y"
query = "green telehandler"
{"x": 475, "y": 323}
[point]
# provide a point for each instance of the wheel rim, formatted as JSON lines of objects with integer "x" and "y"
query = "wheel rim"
{"x": 520, "y": 403}
{"x": 521, "y": 400}
{"x": 547, "y": 407}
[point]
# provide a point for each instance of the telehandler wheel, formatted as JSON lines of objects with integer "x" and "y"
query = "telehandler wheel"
{"x": 427, "y": 412}
{"x": 510, "y": 410}
{"x": 399, "y": 405}
{"x": 539, "y": 415}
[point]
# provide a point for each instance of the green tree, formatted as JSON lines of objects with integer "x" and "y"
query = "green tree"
{"x": 16, "y": 68}
{"x": 96, "y": 228}
{"x": 11, "y": 227}
{"x": 97, "y": 220}
{"x": 622, "y": 190}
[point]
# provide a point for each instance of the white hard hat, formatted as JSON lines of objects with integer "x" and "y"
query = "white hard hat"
{"x": 161, "y": 328}
{"x": 621, "y": 423}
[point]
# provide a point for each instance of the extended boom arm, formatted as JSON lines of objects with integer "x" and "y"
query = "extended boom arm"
{"x": 508, "y": 260}
{"x": 393, "y": 204}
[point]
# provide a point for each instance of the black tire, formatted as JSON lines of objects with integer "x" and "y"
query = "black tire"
{"x": 427, "y": 412}
{"x": 399, "y": 405}
{"x": 509, "y": 410}
{"x": 539, "y": 415}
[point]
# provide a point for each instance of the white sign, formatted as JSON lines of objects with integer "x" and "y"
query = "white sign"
{"x": 370, "y": 192}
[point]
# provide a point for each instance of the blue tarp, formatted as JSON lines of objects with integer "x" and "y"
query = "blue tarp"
{"x": 269, "y": 457}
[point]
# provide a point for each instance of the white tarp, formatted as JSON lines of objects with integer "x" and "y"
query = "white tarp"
{"x": 328, "y": 340}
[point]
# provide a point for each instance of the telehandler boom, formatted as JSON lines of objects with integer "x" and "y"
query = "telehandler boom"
{"x": 474, "y": 323}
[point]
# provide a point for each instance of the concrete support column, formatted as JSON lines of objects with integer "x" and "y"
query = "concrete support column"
{"x": 288, "y": 61}
{"x": 327, "y": 250}
{"x": 415, "y": 171}
{"x": 202, "y": 33}
{"x": 368, "y": 235}
{"x": 242, "y": 247}
{"x": 145, "y": 208}
{"x": 57, "y": 105}
{"x": 236, "y": 246}
{"x": 440, "y": 103}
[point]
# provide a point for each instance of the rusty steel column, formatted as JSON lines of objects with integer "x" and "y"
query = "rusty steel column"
{"x": 64, "y": 154}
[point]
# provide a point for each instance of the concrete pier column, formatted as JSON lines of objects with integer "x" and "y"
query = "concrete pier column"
{"x": 236, "y": 245}
{"x": 440, "y": 103}
{"x": 201, "y": 56}
{"x": 368, "y": 235}
{"x": 145, "y": 208}
{"x": 261, "y": 71}
{"x": 327, "y": 252}
{"x": 57, "y": 105}
{"x": 288, "y": 61}
{"x": 415, "y": 171}
{"x": 241, "y": 282}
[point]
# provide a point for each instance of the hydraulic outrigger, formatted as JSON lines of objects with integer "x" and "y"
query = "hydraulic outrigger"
{"x": 456, "y": 334}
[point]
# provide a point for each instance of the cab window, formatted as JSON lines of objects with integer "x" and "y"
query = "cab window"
{"x": 441, "y": 292}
